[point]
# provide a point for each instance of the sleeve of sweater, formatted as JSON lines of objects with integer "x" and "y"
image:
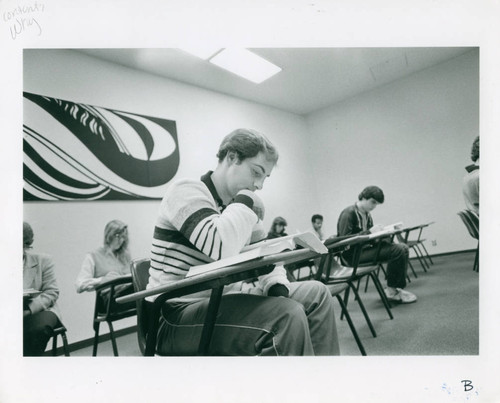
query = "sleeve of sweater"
{"x": 278, "y": 275}
{"x": 50, "y": 291}
{"x": 190, "y": 208}
{"x": 87, "y": 272}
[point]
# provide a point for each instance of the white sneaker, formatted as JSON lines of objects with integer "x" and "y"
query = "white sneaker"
{"x": 400, "y": 296}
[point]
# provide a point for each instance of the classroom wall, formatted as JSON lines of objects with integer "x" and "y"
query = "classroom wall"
{"x": 412, "y": 138}
{"x": 68, "y": 230}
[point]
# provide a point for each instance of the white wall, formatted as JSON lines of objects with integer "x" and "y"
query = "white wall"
{"x": 67, "y": 230}
{"x": 412, "y": 138}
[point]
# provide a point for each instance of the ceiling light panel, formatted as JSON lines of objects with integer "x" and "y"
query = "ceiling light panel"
{"x": 245, "y": 64}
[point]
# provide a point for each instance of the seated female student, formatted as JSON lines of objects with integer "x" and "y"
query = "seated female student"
{"x": 277, "y": 228}
{"x": 40, "y": 311}
{"x": 110, "y": 261}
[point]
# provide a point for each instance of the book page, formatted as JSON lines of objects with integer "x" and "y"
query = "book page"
{"x": 265, "y": 242}
{"x": 264, "y": 248}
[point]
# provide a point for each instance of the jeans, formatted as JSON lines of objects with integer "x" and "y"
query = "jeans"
{"x": 249, "y": 324}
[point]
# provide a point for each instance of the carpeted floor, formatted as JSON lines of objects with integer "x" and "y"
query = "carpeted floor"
{"x": 444, "y": 320}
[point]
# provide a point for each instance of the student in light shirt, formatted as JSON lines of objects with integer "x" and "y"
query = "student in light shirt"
{"x": 110, "y": 261}
{"x": 317, "y": 223}
{"x": 213, "y": 217}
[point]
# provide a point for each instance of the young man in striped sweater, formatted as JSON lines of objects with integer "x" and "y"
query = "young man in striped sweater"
{"x": 356, "y": 220}
{"x": 213, "y": 218}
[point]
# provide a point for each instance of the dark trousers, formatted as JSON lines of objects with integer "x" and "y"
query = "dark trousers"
{"x": 396, "y": 257}
{"x": 37, "y": 331}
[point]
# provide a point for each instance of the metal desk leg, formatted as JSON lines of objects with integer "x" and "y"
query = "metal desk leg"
{"x": 208, "y": 328}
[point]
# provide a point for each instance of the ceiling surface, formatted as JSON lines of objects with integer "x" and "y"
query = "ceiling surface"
{"x": 311, "y": 79}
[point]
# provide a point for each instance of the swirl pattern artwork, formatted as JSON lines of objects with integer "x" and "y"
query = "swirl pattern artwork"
{"x": 74, "y": 151}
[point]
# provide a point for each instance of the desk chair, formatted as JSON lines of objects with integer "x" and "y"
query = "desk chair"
{"x": 148, "y": 313}
{"x": 471, "y": 221}
{"x": 421, "y": 242}
{"x": 415, "y": 244}
{"x": 60, "y": 331}
{"x": 110, "y": 311}
{"x": 140, "y": 278}
{"x": 339, "y": 290}
{"x": 371, "y": 269}
{"x": 331, "y": 272}
{"x": 336, "y": 290}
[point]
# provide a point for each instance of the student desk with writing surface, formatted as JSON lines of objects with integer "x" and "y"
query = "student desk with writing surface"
{"x": 216, "y": 280}
{"x": 416, "y": 243}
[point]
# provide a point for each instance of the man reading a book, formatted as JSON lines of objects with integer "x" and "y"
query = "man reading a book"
{"x": 213, "y": 218}
{"x": 357, "y": 220}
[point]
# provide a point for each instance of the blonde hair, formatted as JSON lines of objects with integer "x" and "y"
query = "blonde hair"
{"x": 110, "y": 230}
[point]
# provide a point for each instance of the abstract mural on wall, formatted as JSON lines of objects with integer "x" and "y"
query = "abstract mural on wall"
{"x": 75, "y": 151}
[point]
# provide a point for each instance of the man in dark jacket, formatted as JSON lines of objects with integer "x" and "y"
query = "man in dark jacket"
{"x": 357, "y": 220}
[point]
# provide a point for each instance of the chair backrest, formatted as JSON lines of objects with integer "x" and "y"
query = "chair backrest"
{"x": 471, "y": 221}
{"x": 140, "y": 278}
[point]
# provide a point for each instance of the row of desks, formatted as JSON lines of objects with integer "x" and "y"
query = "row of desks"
{"x": 218, "y": 279}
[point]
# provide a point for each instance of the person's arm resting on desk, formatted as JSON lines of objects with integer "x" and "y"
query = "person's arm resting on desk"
{"x": 190, "y": 208}
{"x": 86, "y": 280}
{"x": 272, "y": 284}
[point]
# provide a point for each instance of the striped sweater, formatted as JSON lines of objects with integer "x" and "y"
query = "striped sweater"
{"x": 194, "y": 227}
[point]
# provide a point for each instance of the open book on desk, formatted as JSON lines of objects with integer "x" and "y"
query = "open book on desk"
{"x": 388, "y": 229}
{"x": 267, "y": 247}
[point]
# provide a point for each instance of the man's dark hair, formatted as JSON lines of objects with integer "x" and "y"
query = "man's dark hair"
{"x": 316, "y": 217}
{"x": 246, "y": 143}
{"x": 372, "y": 192}
{"x": 474, "y": 152}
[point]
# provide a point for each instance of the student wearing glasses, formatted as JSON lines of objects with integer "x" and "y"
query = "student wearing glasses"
{"x": 40, "y": 311}
{"x": 107, "y": 262}
{"x": 215, "y": 217}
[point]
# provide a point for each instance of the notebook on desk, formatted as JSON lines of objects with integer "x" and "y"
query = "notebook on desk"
{"x": 267, "y": 247}
{"x": 388, "y": 229}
